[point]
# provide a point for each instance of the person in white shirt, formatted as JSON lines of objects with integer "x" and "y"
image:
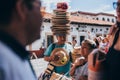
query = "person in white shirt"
{"x": 79, "y": 70}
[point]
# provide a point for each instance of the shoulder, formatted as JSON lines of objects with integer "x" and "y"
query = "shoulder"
{"x": 8, "y": 59}
{"x": 49, "y": 49}
{"x": 51, "y": 45}
{"x": 6, "y": 54}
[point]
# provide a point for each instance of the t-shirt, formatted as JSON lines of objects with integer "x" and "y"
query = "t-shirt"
{"x": 81, "y": 71}
{"x": 14, "y": 60}
{"x": 12, "y": 67}
{"x": 60, "y": 69}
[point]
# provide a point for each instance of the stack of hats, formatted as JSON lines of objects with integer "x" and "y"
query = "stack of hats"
{"x": 60, "y": 19}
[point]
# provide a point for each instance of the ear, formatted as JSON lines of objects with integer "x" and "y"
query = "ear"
{"x": 21, "y": 10}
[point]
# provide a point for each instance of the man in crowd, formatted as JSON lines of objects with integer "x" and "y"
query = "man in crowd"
{"x": 20, "y": 23}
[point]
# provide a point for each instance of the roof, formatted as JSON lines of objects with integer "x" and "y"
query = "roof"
{"x": 87, "y": 13}
{"x": 93, "y": 14}
{"x": 89, "y": 21}
{"x": 107, "y": 14}
{"x": 82, "y": 20}
{"x": 48, "y": 15}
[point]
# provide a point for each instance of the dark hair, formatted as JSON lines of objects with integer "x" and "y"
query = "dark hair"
{"x": 96, "y": 41}
{"x": 75, "y": 41}
{"x": 90, "y": 43}
{"x": 7, "y": 7}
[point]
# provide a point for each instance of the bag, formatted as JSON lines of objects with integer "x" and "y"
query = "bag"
{"x": 96, "y": 65}
{"x": 47, "y": 73}
{"x": 49, "y": 70}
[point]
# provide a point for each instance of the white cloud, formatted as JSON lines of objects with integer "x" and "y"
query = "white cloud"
{"x": 51, "y": 4}
{"x": 103, "y": 8}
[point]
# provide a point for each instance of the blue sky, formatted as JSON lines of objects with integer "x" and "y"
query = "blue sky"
{"x": 93, "y": 6}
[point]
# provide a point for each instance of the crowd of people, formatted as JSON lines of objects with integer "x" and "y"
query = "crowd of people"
{"x": 77, "y": 66}
{"x": 20, "y": 25}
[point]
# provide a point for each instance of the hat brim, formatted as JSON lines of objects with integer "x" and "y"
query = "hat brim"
{"x": 58, "y": 62}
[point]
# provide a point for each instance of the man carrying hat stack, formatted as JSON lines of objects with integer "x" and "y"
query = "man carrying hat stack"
{"x": 61, "y": 32}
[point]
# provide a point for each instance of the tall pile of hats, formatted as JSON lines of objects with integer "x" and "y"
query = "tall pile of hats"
{"x": 60, "y": 19}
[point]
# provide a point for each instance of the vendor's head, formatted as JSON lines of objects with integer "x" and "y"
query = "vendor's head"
{"x": 61, "y": 37}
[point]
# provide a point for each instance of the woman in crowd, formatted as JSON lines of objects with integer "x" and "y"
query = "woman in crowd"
{"x": 113, "y": 55}
{"x": 79, "y": 70}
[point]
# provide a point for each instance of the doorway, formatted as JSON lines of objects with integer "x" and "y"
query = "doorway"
{"x": 49, "y": 39}
{"x": 81, "y": 39}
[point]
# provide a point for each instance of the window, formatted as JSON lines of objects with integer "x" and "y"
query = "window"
{"x": 97, "y": 19}
{"x": 92, "y": 29}
{"x": 113, "y": 20}
{"x": 71, "y": 29}
{"x": 81, "y": 39}
{"x": 108, "y": 19}
{"x": 103, "y": 19}
{"x": 49, "y": 39}
{"x": 42, "y": 27}
{"x": 96, "y": 30}
{"x": 106, "y": 28}
{"x": 77, "y": 28}
{"x": 100, "y": 29}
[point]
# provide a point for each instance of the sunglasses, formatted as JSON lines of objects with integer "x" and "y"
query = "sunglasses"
{"x": 116, "y": 5}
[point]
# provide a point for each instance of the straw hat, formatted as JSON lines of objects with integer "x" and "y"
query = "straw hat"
{"x": 76, "y": 50}
{"x": 61, "y": 57}
{"x": 60, "y": 20}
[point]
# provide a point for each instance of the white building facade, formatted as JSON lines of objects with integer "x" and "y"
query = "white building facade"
{"x": 82, "y": 26}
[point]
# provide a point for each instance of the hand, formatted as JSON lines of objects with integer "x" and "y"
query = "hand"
{"x": 79, "y": 62}
{"x": 54, "y": 58}
{"x": 51, "y": 58}
{"x": 76, "y": 63}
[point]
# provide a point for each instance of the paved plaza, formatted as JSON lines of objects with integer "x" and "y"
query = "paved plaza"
{"x": 39, "y": 65}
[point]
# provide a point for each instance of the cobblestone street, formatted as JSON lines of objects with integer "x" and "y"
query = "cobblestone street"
{"x": 39, "y": 65}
